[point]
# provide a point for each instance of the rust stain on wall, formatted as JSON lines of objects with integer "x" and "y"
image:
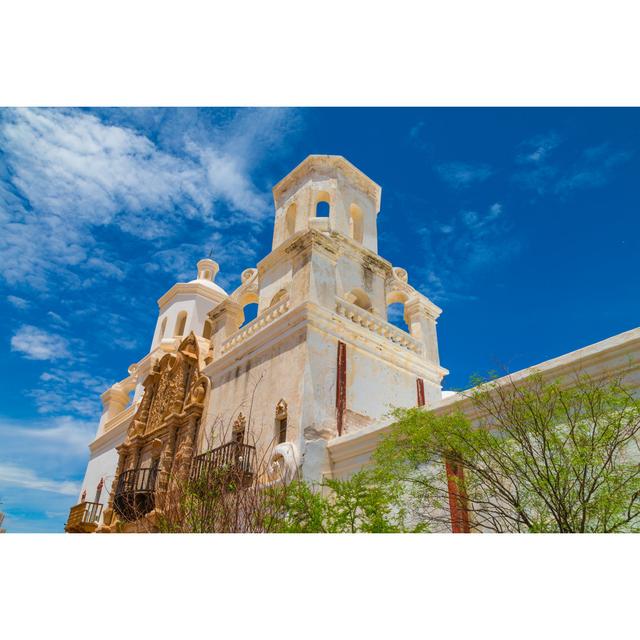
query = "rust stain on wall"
{"x": 341, "y": 385}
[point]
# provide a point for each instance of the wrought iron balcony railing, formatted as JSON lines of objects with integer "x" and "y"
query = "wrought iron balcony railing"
{"x": 232, "y": 463}
{"x": 84, "y": 517}
{"x": 135, "y": 493}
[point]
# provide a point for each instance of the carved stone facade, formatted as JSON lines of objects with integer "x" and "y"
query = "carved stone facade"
{"x": 160, "y": 442}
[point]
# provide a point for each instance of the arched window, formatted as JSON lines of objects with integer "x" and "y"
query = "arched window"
{"x": 281, "y": 295}
{"x": 206, "y": 331}
{"x": 181, "y": 323}
{"x": 290, "y": 219}
{"x": 281, "y": 422}
{"x": 163, "y": 327}
{"x": 359, "y": 298}
{"x": 323, "y": 205}
{"x": 356, "y": 223}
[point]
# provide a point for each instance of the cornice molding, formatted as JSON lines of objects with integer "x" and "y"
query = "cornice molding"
{"x": 327, "y": 164}
{"x": 111, "y": 438}
{"x": 190, "y": 288}
{"x": 309, "y": 314}
{"x": 332, "y": 244}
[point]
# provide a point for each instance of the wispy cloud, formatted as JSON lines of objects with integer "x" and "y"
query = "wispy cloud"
{"x": 538, "y": 149}
{"x": 37, "y": 344}
{"x": 593, "y": 169}
{"x": 456, "y": 250}
{"x": 68, "y": 435}
{"x": 461, "y": 175}
{"x": 23, "y": 477}
{"x": 41, "y": 463}
{"x": 17, "y": 302}
{"x": 69, "y": 173}
{"x": 545, "y": 173}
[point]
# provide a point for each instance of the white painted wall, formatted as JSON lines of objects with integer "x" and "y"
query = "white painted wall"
{"x": 197, "y": 308}
{"x": 103, "y": 464}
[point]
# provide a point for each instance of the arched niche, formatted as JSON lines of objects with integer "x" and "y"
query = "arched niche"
{"x": 290, "y": 220}
{"x": 360, "y": 298}
{"x": 279, "y": 297}
{"x": 207, "y": 330}
{"x": 181, "y": 323}
{"x": 356, "y": 223}
{"x": 163, "y": 328}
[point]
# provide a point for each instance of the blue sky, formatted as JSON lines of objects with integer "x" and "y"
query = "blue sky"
{"x": 522, "y": 224}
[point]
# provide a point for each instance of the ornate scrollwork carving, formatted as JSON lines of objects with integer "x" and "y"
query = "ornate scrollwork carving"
{"x": 248, "y": 274}
{"x": 239, "y": 425}
{"x": 166, "y": 390}
{"x": 249, "y": 290}
{"x": 281, "y": 410}
{"x": 283, "y": 463}
{"x": 198, "y": 390}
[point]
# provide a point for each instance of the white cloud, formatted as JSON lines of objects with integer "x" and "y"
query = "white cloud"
{"x": 495, "y": 209}
{"x": 79, "y": 173}
{"x": 11, "y": 474}
{"x": 461, "y": 175}
{"x": 62, "y": 432}
{"x": 455, "y": 251}
{"x": 228, "y": 181}
{"x": 538, "y": 148}
{"x": 592, "y": 167}
{"x": 37, "y": 344}
{"x": 41, "y": 464}
{"x": 18, "y": 303}
{"x": 70, "y": 390}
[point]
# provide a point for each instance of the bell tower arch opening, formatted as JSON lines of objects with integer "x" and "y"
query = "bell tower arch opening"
{"x": 396, "y": 312}
{"x": 323, "y": 205}
{"x": 330, "y": 195}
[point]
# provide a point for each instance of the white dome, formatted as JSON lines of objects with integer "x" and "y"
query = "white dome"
{"x": 210, "y": 285}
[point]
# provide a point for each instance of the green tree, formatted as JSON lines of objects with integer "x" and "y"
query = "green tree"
{"x": 541, "y": 456}
{"x": 356, "y": 505}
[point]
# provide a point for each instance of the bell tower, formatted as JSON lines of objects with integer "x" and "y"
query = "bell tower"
{"x": 321, "y": 341}
{"x": 329, "y": 194}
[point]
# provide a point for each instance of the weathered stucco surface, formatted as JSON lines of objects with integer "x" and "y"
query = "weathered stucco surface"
{"x": 322, "y": 284}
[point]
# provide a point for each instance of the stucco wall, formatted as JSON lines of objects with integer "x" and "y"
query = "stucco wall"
{"x": 269, "y": 375}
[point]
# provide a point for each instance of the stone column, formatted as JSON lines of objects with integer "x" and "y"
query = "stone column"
{"x": 187, "y": 448}
{"x": 164, "y": 467}
{"x": 421, "y": 317}
{"x": 108, "y": 512}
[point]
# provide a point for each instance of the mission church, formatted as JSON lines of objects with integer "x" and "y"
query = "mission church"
{"x": 306, "y": 385}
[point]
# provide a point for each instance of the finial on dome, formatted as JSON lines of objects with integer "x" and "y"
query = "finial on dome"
{"x": 207, "y": 269}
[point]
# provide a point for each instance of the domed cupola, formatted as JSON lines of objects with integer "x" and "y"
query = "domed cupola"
{"x": 185, "y": 306}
